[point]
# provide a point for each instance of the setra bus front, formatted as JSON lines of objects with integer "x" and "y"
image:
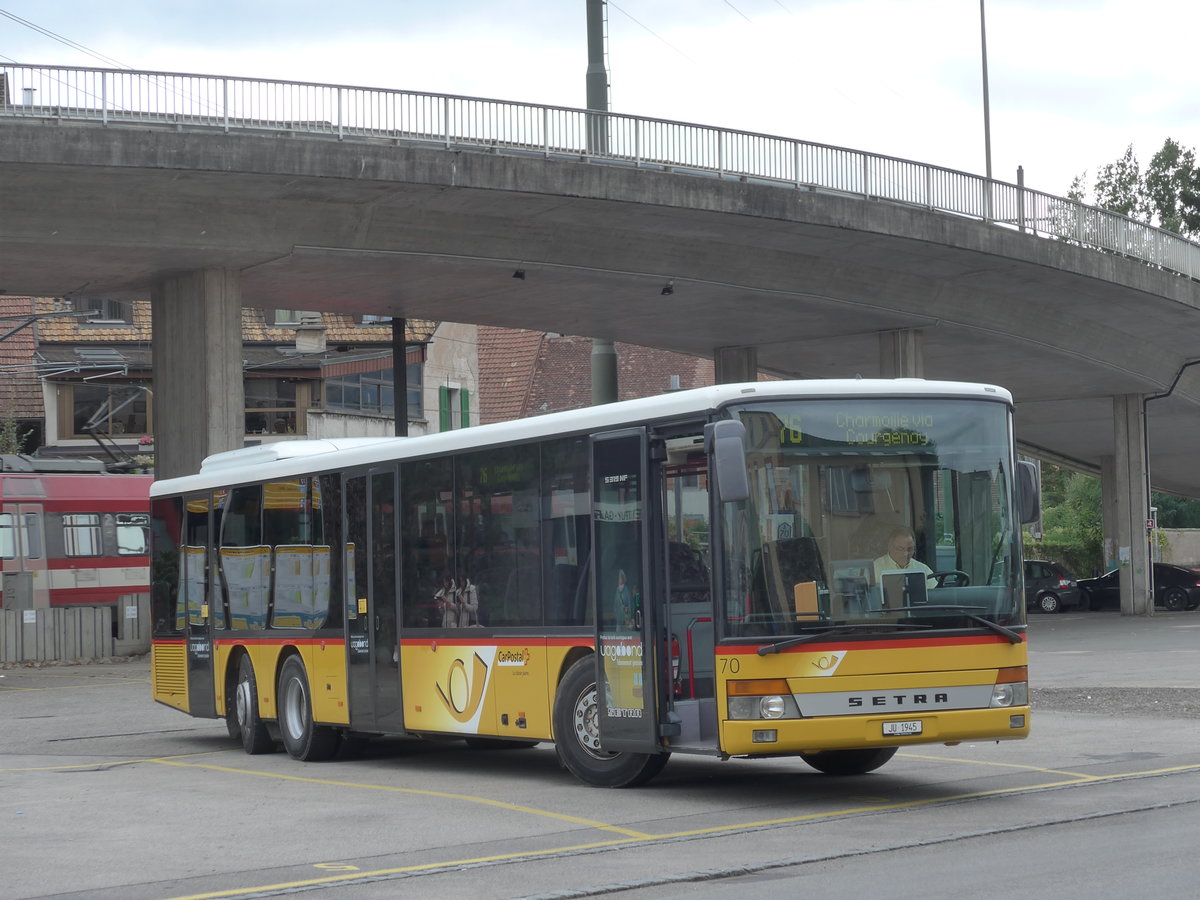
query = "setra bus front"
{"x": 868, "y": 575}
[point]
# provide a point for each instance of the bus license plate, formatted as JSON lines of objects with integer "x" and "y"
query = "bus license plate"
{"x": 901, "y": 729}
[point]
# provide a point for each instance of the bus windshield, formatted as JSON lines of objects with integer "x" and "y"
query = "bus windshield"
{"x": 871, "y": 516}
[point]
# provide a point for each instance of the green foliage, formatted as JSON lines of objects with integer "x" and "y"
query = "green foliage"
{"x": 1167, "y": 194}
{"x": 1176, "y": 512}
{"x": 12, "y": 438}
{"x": 1072, "y": 521}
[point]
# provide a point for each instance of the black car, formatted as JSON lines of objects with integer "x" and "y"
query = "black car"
{"x": 1049, "y": 587}
{"x": 1175, "y": 588}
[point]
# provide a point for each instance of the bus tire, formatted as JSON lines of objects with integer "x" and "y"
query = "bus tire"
{"x": 577, "y": 736}
{"x": 255, "y": 737}
{"x": 302, "y": 738}
{"x": 849, "y": 762}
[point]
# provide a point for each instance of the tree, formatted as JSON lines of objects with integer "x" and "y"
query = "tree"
{"x": 12, "y": 438}
{"x": 1167, "y": 194}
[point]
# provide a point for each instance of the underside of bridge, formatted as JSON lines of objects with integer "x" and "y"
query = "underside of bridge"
{"x": 812, "y": 284}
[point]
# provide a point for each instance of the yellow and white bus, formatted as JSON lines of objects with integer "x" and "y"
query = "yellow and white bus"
{"x": 702, "y": 572}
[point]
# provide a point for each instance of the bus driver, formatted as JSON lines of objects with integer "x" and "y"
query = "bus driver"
{"x": 899, "y": 557}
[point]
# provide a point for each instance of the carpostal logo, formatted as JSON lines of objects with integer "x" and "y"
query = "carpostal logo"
{"x": 513, "y": 657}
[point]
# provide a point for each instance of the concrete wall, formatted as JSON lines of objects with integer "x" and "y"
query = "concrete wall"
{"x": 75, "y": 633}
{"x": 1182, "y": 547}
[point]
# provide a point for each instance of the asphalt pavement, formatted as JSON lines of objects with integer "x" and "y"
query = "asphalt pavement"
{"x": 1122, "y": 665}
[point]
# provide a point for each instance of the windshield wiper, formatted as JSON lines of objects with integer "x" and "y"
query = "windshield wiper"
{"x": 836, "y": 629}
{"x": 1013, "y": 637}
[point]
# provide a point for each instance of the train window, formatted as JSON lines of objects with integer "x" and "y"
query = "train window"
{"x": 133, "y": 531}
{"x": 8, "y": 536}
{"x": 81, "y": 534}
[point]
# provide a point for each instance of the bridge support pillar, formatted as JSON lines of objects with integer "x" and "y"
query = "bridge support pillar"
{"x": 199, "y": 400}
{"x": 1125, "y": 494}
{"x": 902, "y": 353}
{"x": 734, "y": 365}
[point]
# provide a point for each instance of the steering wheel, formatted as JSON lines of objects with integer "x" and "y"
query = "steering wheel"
{"x": 952, "y": 578}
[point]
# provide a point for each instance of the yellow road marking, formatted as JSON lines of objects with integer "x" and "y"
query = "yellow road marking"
{"x": 467, "y": 798}
{"x": 625, "y": 835}
{"x": 645, "y": 838}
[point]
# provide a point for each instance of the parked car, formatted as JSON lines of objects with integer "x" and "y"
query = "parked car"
{"x": 1175, "y": 588}
{"x": 1049, "y": 587}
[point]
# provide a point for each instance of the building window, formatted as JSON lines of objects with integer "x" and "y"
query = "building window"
{"x": 276, "y": 406}
{"x": 112, "y": 410}
{"x": 373, "y": 392}
{"x": 291, "y": 317}
{"x": 104, "y": 312}
{"x": 454, "y": 407}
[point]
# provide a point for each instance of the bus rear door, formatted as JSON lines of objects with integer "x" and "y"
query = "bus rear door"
{"x": 372, "y": 652}
{"x": 625, "y": 618}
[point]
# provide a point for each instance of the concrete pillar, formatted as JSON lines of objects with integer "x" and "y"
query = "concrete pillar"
{"x": 735, "y": 365}
{"x": 1133, "y": 504}
{"x": 199, "y": 401}
{"x": 604, "y": 372}
{"x": 902, "y": 353}
{"x": 1109, "y": 489}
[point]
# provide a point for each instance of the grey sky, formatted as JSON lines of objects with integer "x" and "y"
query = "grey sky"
{"x": 1072, "y": 82}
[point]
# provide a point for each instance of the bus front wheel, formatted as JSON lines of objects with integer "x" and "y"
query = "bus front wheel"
{"x": 302, "y": 738}
{"x": 577, "y": 735}
{"x": 255, "y": 737}
{"x": 848, "y": 762}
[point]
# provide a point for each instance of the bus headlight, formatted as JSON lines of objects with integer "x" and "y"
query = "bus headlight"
{"x": 1013, "y": 694}
{"x": 761, "y": 699}
{"x": 772, "y": 707}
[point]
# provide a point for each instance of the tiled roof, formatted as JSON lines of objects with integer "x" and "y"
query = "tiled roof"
{"x": 528, "y": 373}
{"x": 20, "y": 389}
{"x": 506, "y": 364}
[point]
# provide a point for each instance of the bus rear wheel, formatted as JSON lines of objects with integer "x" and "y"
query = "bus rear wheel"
{"x": 253, "y": 730}
{"x": 302, "y": 738}
{"x": 848, "y": 762}
{"x": 577, "y": 736}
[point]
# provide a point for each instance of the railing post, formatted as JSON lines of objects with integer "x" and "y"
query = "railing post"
{"x": 796, "y": 163}
{"x": 720, "y": 152}
{"x": 104, "y": 97}
{"x": 637, "y": 143}
{"x": 866, "y": 172}
{"x": 446, "y": 120}
{"x": 1021, "y": 198}
{"x": 546, "y": 132}
{"x": 929, "y": 187}
{"x": 341, "y": 123}
{"x": 225, "y": 101}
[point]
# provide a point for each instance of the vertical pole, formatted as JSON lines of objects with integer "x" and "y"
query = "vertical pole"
{"x": 604, "y": 355}
{"x": 400, "y": 375}
{"x": 987, "y": 115}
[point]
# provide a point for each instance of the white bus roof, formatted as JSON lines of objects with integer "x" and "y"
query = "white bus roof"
{"x": 287, "y": 459}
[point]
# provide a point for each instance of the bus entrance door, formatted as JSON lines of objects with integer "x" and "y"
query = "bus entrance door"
{"x": 688, "y": 616}
{"x": 372, "y": 652}
{"x": 625, "y": 627}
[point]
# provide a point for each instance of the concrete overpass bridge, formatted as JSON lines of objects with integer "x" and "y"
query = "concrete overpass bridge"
{"x": 766, "y": 253}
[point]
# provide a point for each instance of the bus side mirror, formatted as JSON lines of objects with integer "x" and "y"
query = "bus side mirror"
{"x": 1029, "y": 493}
{"x": 725, "y": 442}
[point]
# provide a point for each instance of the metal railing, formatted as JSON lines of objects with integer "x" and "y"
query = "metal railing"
{"x": 342, "y": 112}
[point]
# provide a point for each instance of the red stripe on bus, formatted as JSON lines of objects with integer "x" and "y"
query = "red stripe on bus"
{"x": 889, "y": 643}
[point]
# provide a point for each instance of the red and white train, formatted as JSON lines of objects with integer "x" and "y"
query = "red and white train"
{"x": 70, "y": 539}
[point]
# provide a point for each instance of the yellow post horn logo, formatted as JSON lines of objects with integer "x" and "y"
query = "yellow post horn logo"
{"x": 464, "y": 693}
